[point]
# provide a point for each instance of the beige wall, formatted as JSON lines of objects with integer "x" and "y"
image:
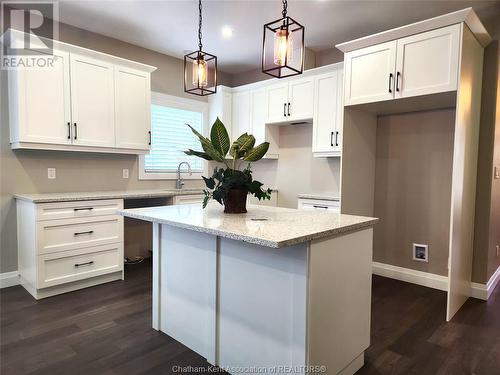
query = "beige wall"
{"x": 413, "y": 188}
{"x": 26, "y": 171}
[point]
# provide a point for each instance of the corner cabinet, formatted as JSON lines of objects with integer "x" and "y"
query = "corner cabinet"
{"x": 88, "y": 101}
{"x": 420, "y": 64}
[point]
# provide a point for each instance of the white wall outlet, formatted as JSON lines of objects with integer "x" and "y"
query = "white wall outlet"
{"x": 125, "y": 173}
{"x": 497, "y": 172}
{"x": 498, "y": 250}
{"x": 421, "y": 252}
{"x": 51, "y": 173}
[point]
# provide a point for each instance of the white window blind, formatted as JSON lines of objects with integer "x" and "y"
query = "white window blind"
{"x": 170, "y": 137}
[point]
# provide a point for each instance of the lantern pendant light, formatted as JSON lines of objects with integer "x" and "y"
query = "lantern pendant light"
{"x": 200, "y": 68}
{"x": 283, "y": 46}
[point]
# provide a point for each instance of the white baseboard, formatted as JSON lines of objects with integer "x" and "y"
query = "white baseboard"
{"x": 430, "y": 280}
{"x": 483, "y": 291}
{"x": 9, "y": 279}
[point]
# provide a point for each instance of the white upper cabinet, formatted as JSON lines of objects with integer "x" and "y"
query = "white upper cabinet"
{"x": 428, "y": 62}
{"x": 370, "y": 74}
{"x": 301, "y": 99}
{"x": 242, "y": 112}
{"x": 88, "y": 101}
{"x": 328, "y": 114}
{"x": 40, "y": 103}
{"x": 221, "y": 106}
{"x": 92, "y": 102}
{"x": 132, "y": 108}
{"x": 277, "y": 102}
{"x": 259, "y": 114}
{"x": 420, "y": 64}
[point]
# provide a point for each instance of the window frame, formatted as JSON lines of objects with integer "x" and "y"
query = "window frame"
{"x": 180, "y": 103}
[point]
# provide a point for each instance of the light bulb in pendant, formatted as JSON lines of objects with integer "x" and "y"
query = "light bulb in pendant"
{"x": 200, "y": 72}
{"x": 283, "y": 47}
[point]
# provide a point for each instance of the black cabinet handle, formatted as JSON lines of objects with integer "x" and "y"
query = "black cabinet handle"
{"x": 69, "y": 130}
{"x": 84, "y": 264}
{"x": 76, "y": 132}
{"x": 288, "y": 109}
{"x": 390, "y": 82}
{"x": 397, "y": 81}
{"x": 83, "y": 209}
{"x": 336, "y": 139}
{"x": 149, "y": 133}
{"x": 82, "y": 233}
{"x": 325, "y": 207}
{"x": 284, "y": 109}
{"x": 331, "y": 139}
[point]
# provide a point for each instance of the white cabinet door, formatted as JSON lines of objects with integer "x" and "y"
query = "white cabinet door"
{"x": 277, "y": 102}
{"x": 326, "y": 113}
{"x": 300, "y": 99}
{"x": 221, "y": 106}
{"x": 427, "y": 63}
{"x": 132, "y": 108}
{"x": 370, "y": 74}
{"x": 92, "y": 102}
{"x": 259, "y": 115}
{"x": 42, "y": 103}
{"x": 241, "y": 118}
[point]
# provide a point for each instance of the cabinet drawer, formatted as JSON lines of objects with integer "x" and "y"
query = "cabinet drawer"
{"x": 317, "y": 204}
{"x": 68, "y": 234}
{"x": 189, "y": 199}
{"x": 75, "y": 209}
{"x": 68, "y": 266}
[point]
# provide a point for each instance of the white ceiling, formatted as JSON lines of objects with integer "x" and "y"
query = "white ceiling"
{"x": 170, "y": 26}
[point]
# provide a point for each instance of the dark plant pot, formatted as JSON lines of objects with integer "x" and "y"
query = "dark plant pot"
{"x": 235, "y": 201}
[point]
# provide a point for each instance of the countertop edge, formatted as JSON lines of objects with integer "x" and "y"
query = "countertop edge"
{"x": 253, "y": 240}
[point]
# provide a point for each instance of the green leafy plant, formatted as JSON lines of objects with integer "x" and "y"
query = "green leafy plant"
{"x": 242, "y": 152}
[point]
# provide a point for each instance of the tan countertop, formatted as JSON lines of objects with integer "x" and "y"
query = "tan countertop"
{"x": 266, "y": 226}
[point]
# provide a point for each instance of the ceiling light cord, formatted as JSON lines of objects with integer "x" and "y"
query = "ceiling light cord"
{"x": 285, "y": 8}
{"x": 200, "y": 45}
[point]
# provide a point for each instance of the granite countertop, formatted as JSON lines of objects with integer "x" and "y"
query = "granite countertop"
{"x": 266, "y": 226}
{"x": 328, "y": 196}
{"x": 113, "y": 194}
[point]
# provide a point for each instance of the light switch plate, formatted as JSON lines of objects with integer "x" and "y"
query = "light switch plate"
{"x": 497, "y": 172}
{"x": 125, "y": 173}
{"x": 51, "y": 173}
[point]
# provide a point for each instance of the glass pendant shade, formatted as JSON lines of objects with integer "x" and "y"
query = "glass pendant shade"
{"x": 200, "y": 73}
{"x": 283, "y": 48}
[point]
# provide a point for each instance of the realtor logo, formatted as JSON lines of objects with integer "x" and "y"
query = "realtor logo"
{"x": 28, "y": 30}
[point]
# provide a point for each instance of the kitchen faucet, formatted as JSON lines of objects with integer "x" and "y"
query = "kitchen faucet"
{"x": 180, "y": 182}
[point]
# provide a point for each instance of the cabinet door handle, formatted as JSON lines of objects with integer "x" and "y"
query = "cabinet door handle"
{"x": 69, "y": 130}
{"x": 84, "y": 264}
{"x": 288, "y": 109}
{"x": 336, "y": 139}
{"x": 284, "y": 109}
{"x": 390, "y": 82}
{"x": 82, "y": 233}
{"x": 331, "y": 139}
{"x": 397, "y": 81}
{"x": 76, "y": 132}
{"x": 324, "y": 207}
{"x": 149, "y": 133}
{"x": 83, "y": 209}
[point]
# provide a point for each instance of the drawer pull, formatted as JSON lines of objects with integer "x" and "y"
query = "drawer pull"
{"x": 84, "y": 264}
{"x": 80, "y": 233}
{"x": 83, "y": 209}
{"x": 325, "y": 207}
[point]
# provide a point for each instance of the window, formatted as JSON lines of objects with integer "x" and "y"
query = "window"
{"x": 170, "y": 137}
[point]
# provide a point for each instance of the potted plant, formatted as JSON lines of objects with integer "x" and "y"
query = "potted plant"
{"x": 230, "y": 185}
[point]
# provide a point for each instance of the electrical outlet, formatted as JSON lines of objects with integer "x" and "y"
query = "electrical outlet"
{"x": 497, "y": 172}
{"x": 125, "y": 173}
{"x": 421, "y": 252}
{"x": 498, "y": 250}
{"x": 51, "y": 173}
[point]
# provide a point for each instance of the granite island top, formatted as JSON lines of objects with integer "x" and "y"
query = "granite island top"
{"x": 266, "y": 226}
{"x": 112, "y": 194}
{"x": 327, "y": 196}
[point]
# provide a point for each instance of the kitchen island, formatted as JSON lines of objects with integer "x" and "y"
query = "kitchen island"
{"x": 274, "y": 290}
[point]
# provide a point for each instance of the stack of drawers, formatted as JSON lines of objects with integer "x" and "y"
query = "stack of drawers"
{"x": 64, "y": 246}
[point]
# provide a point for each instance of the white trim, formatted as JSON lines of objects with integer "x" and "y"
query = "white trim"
{"x": 484, "y": 291}
{"x": 9, "y": 279}
{"x": 182, "y": 103}
{"x": 430, "y": 280}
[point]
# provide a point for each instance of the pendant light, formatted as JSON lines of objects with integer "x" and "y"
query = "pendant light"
{"x": 200, "y": 68}
{"x": 283, "y": 46}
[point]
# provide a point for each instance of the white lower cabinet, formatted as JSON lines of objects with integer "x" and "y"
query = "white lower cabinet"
{"x": 189, "y": 199}
{"x": 69, "y": 245}
{"x": 319, "y": 204}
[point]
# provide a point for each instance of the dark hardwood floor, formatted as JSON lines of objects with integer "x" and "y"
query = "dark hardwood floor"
{"x": 107, "y": 330}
